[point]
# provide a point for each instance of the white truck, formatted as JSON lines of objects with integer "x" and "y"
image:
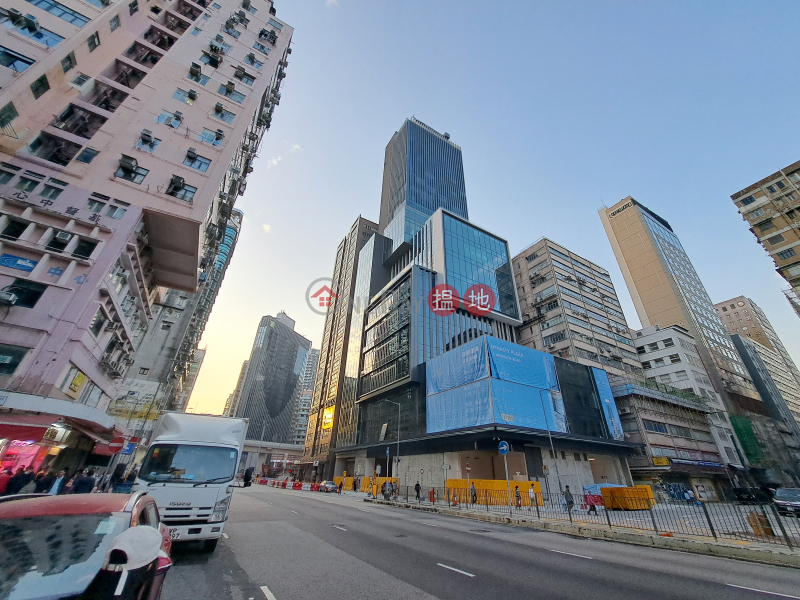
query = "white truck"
{"x": 190, "y": 471}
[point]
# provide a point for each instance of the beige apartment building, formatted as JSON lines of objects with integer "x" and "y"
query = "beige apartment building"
{"x": 127, "y": 131}
{"x": 771, "y": 207}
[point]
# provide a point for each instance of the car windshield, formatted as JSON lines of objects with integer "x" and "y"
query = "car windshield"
{"x": 46, "y": 553}
{"x": 179, "y": 463}
{"x": 791, "y": 494}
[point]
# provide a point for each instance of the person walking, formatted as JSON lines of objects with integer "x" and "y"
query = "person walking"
{"x": 518, "y": 497}
{"x": 84, "y": 484}
{"x": 43, "y": 484}
{"x": 339, "y": 488}
{"x": 20, "y": 479}
{"x": 417, "y": 489}
{"x": 5, "y": 477}
{"x": 570, "y": 501}
{"x": 59, "y": 484}
{"x": 532, "y": 496}
{"x": 689, "y": 496}
{"x": 473, "y": 493}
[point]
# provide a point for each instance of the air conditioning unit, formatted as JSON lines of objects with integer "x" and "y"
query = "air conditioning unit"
{"x": 224, "y": 197}
{"x": 239, "y": 72}
{"x": 192, "y": 95}
{"x": 241, "y": 16}
{"x": 230, "y": 87}
{"x": 245, "y": 3}
{"x": 218, "y": 135}
{"x": 214, "y": 60}
{"x": 15, "y": 15}
{"x": 176, "y": 183}
{"x": 178, "y": 116}
{"x": 235, "y": 170}
{"x": 8, "y": 298}
{"x": 147, "y": 136}
{"x": 63, "y": 236}
{"x": 218, "y": 108}
{"x": 128, "y": 163}
{"x": 194, "y": 70}
{"x": 251, "y": 58}
{"x": 191, "y": 154}
{"x": 625, "y": 410}
{"x": 288, "y": 51}
{"x": 32, "y": 23}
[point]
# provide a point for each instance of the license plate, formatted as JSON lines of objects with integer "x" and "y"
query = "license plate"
{"x": 174, "y": 533}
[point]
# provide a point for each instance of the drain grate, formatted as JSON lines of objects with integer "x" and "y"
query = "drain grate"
{"x": 401, "y": 535}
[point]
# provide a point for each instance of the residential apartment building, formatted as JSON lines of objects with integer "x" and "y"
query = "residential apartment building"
{"x": 232, "y": 404}
{"x": 570, "y": 309}
{"x": 306, "y": 391}
{"x": 192, "y": 372}
{"x": 337, "y": 305}
{"x": 666, "y": 290}
{"x": 771, "y": 208}
{"x": 744, "y": 317}
{"x": 127, "y": 132}
{"x": 272, "y": 383}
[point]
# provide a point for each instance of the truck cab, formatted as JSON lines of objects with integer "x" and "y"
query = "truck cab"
{"x": 190, "y": 471}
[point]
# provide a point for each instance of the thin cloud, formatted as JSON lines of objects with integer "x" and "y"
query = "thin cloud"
{"x": 273, "y": 162}
{"x": 332, "y": 2}
{"x": 266, "y": 228}
{"x": 296, "y": 148}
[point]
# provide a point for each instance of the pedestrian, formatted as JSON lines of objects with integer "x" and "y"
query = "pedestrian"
{"x": 532, "y": 496}
{"x": 473, "y": 493}
{"x": 340, "y": 487}
{"x": 59, "y": 484}
{"x": 117, "y": 476}
{"x": 591, "y": 501}
{"x": 689, "y": 496}
{"x": 85, "y": 483}
{"x": 19, "y": 481}
{"x": 568, "y": 498}
{"x": 417, "y": 489}
{"x": 355, "y": 483}
{"x": 5, "y": 477}
{"x": 134, "y": 473}
{"x": 43, "y": 485}
{"x": 518, "y": 497}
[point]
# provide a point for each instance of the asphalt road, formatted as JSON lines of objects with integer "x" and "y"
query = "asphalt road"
{"x": 287, "y": 545}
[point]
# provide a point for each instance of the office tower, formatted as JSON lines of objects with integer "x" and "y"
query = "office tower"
{"x": 306, "y": 391}
{"x": 771, "y": 208}
{"x": 667, "y": 291}
{"x": 232, "y": 403}
{"x": 126, "y": 133}
{"x": 337, "y": 303}
{"x": 422, "y": 172}
{"x": 570, "y": 309}
{"x": 271, "y": 387}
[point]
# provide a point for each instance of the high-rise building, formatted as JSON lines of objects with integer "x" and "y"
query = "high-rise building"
{"x": 232, "y": 403}
{"x": 192, "y": 372}
{"x": 771, "y": 207}
{"x": 126, "y": 134}
{"x": 570, "y": 309}
{"x": 273, "y": 380}
{"x": 666, "y": 291}
{"x": 306, "y": 391}
{"x": 794, "y": 301}
{"x": 337, "y": 302}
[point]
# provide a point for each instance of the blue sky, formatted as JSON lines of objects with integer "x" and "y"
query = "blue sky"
{"x": 559, "y": 107}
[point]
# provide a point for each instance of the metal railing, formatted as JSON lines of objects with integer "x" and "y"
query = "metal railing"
{"x": 738, "y": 521}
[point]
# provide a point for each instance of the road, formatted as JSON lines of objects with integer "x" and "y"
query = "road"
{"x": 288, "y": 545}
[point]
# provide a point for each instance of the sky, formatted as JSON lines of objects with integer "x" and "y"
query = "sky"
{"x": 559, "y": 107}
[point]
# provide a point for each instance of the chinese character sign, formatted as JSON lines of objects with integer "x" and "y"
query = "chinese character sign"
{"x": 443, "y": 300}
{"x": 480, "y": 300}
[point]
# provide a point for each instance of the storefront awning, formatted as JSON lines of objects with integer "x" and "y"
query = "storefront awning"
{"x": 24, "y": 427}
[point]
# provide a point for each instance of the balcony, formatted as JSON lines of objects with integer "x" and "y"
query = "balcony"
{"x": 159, "y": 39}
{"x": 106, "y": 97}
{"x": 53, "y": 149}
{"x": 124, "y": 74}
{"x": 79, "y": 122}
{"x": 143, "y": 55}
{"x": 187, "y": 10}
{"x": 176, "y": 24}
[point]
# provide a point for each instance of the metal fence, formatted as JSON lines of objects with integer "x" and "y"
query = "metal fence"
{"x": 741, "y": 521}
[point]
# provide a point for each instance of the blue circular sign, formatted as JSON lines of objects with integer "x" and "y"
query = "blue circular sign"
{"x": 387, "y": 451}
{"x": 503, "y": 447}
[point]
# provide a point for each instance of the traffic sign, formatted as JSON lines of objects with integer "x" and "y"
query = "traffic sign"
{"x": 445, "y": 467}
{"x": 116, "y": 445}
{"x": 129, "y": 448}
{"x": 378, "y": 469}
{"x": 422, "y": 471}
{"x": 387, "y": 451}
{"x": 469, "y": 469}
{"x": 503, "y": 448}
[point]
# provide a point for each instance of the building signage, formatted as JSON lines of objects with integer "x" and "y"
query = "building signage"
{"x": 661, "y": 461}
{"x": 327, "y": 417}
{"x": 17, "y": 262}
{"x": 620, "y": 209}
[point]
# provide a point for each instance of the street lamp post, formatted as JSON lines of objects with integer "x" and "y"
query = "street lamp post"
{"x": 397, "y": 474}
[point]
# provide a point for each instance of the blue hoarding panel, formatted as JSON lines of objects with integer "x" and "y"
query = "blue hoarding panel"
{"x": 511, "y": 362}
{"x": 459, "y": 366}
{"x": 607, "y": 401}
{"x": 524, "y": 406}
{"x": 465, "y": 406}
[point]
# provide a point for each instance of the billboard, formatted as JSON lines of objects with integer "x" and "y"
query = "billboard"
{"x": 607, "y": 402}
{"x": 511, "y": 362}
{"x": 458, "y": 367}
{"x": 525, "y": 406}
{"x": 465, "y": 406}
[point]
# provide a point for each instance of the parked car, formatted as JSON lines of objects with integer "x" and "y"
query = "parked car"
{"x": 787, "y": 501}
{"x": 83, "y": 547}
{"x": 328, "y": 486}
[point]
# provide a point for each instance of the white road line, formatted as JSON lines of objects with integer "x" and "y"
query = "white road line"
{"x": 741, "y": 587}
{"x": 295, "y": 512}
{"x": 225, "y": 535}
{"x": 571, "y": 554}
{"x": 428, "y": 524}
{"x": 342, "y": 528}
{"x": 456, "y": 570}
{"x": 362, "y": 510}
{"x": 267, "y": 593}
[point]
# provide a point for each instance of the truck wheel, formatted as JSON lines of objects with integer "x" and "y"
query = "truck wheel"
{"x": 210, "y": 545}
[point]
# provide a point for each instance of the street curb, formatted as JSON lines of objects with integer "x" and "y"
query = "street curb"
{"x": 756, "y": 555}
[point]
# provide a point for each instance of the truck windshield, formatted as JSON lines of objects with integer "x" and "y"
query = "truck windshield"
{"x": 177, "y": 463}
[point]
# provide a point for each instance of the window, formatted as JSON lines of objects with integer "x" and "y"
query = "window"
{"x": 84, "y": 249}
{"x": 136, "y": 175}
{"x": 766, "y": 226}
{"x": 166, "y": 325}
{"x": 68, "y": 62}
{"x": 185, "y": 193}
{"x": 680, "y": 431}
{"x": 261, "y": 48}
{"x": 143, "y": 371}
{"x": 222, "y": 114}
{"x": 659, "y": 362}
{"x": 14, "y": 60}
{"x": 251, "y": 60}
{"x": 198, "y": 77}
{"x": 640, "y": 350}
{"x": 93, "y": 41}
{"x": 61, "y": 11}
{"x": 173, "y": 120}
{"x": 40, "y": 86}
{"x": 652, "y": 347}
{"x": 771, "y": 189}
{"x": 26, "y": 185}
{"x": 215, "y": 5}
{"x": 756, "y": 213}
{"x": 28, "y": 28}
{"x": 50, "y": 192}
{"x": 87, "y": 155}
{"x": 7, "y": 114}
{"x": 275, "y": 24}
{"x": 681, "y": 376}
{"x": 80, "y": 80}
{"x": 196, "y": 31}
{"x": 668, "y": 343}
{"x": 780, "y": 185}
{"x": 242, "y": 75}
{"x": 95, "y": 206}
{"x": 98, "y": 321}
{"x": 197, "y": 162}
{"x": 776, "y": 239}
{"x": 654, "y": 426}
{"x": 665, "y": 378}
{"x": 13, "y": 230}
{"x": 576, "y": 456}
{"x": 133, "y": 7}
{"x": 787, "y": 254}
{"x": 116, "y": 212}
{"x": 748, "y": 200}
{"x": 211, "y": 137}
{"x": 10, "y": 358}
{"x": 27, "y": 292}
{"x": 674, "y": 358}
{"x": 184, "y": 96}
{"x": 114, "y": 23}
{"x": 148, "y": 145}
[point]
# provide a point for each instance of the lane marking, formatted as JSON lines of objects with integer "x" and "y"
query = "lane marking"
{"x": 454, "y": 569}
{"x": 571, "y": 554}
{"x": 428, "y": 524}
{"x": 225, "y": 535}
{"x": 741, "y": 587}
{"x": 342, "y": 528}
{"x": 267, "y": 593}
{"x": 295, "y": 512}
{"x": 362, "y": 510}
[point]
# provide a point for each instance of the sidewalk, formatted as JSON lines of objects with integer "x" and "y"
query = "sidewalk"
{"x": 752, "y": 551}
